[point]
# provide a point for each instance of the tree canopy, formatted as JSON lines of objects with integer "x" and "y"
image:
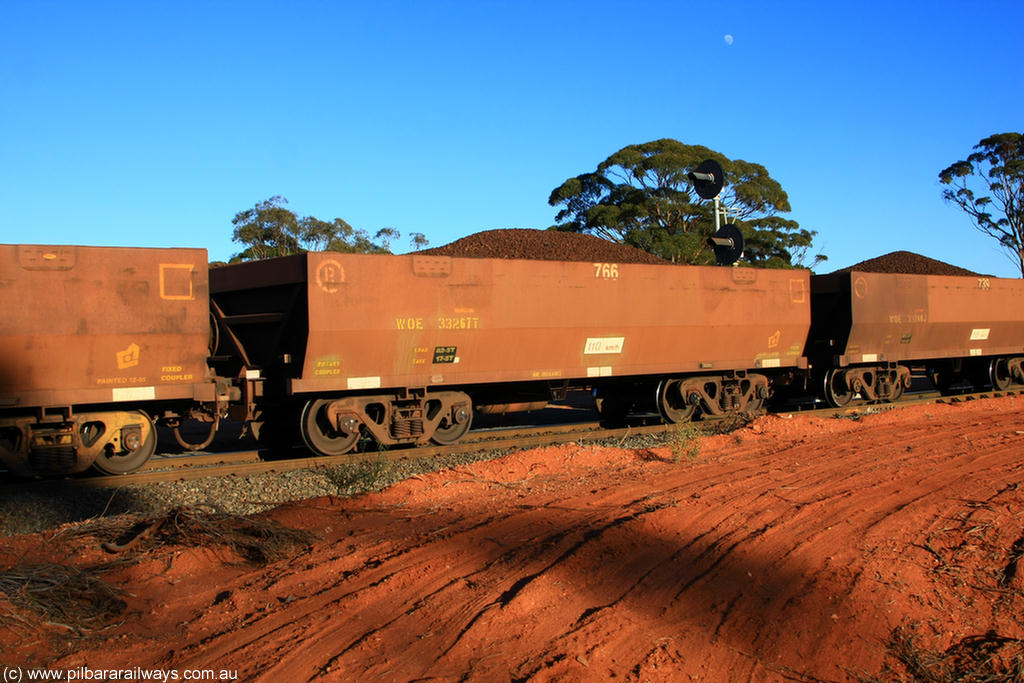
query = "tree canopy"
{"x": 989, "y": 187}
{"x": 268, "y": 229}
{"x": 642, "y": 196}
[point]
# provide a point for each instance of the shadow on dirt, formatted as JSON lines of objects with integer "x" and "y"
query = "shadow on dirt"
{"x": 609, "y": 585}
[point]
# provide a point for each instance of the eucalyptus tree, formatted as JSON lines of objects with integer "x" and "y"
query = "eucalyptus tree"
{"x": 642, "y": 196}
{"x": 269, "y": 229}
{"x": 989, "y": 187}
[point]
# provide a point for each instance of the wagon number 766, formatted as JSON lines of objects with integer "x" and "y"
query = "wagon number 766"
{"x": 606, "y": 271}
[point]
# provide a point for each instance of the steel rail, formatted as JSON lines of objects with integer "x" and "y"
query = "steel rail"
{"x": 203, "y": 459}
{"x": 547, "y": 436}
{"x": 248, "y": 462}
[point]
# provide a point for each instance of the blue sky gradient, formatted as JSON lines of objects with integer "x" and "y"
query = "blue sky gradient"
{"x": 153, "y": 123}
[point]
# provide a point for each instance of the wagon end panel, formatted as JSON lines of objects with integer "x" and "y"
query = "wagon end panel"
{"x": 100, "y": 325}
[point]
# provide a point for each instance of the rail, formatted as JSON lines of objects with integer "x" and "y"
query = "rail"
{"x": 248, "y": 462}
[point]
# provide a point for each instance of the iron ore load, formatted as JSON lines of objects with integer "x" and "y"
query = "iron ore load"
{"x": 343, "y": 351}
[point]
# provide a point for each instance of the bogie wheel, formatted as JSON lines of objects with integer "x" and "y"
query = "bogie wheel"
{"x": 837, "y": 393}
{"x": 142, "y": 444}
{"x": 320, "y": 435}
{"x": 672, "y": 405}
{"x": 999, "y": 374}
{"x": 453, "y": 426}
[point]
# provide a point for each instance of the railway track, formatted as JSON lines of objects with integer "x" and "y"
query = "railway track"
{"x": 241, "y": 463}
{"x": 170, "y": 468}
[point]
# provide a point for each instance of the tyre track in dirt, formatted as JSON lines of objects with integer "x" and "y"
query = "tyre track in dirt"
{"x": 790, "y": 548}
{"x": 411, "y": 565}
{"x": 891, "y": 504}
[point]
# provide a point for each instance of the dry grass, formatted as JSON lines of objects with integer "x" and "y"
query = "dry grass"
{"x": 359, "y": 477}
{"x": 253, "y": 540}
{"x": 66, "y": 597}
{"x": 728, "y": 423}
{"x": 988, "y": 658}
{"x": 973, "y": 556}
{"x": 77, "y": 600}
{"x": 685, "y": 442}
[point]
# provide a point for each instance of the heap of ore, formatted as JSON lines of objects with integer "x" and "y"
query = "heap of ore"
{"x": 907, "y": 262}
{"x": 543, "y": 245}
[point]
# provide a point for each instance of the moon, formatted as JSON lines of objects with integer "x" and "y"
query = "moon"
{"x": 728, "y": 39}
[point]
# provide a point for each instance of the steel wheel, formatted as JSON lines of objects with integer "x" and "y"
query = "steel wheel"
{"x": 837, "y": 393}
{"x": 672, "y": 405}
{"x": 999, "y": 374}
{"x": 144, "y": 442}
{"x": 453, "y": 427}
{"x": 320, "y": 435}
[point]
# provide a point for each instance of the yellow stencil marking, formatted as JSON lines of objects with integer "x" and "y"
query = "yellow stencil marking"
{"x": 797, "y": 291}
{"x": 176, "y": 281}
{"x": 330, "y": 275}
{"x": 128, "y": 358}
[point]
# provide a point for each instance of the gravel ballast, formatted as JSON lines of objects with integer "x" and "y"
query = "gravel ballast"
{"x": 41, "y": 506}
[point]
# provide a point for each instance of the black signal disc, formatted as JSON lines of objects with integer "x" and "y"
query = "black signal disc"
{"x": 728, "y": 254}
{"x": 708, "y": 189}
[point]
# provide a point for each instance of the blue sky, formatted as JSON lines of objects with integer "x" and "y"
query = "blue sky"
{"x": 153, "y": 123}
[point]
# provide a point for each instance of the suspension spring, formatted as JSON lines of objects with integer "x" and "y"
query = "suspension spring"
{"x": 407, "y": 428}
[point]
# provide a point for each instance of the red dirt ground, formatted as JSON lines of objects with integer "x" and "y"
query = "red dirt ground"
{"x": 788, "y": 550}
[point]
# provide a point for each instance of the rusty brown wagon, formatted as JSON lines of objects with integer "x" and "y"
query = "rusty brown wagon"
{"x": 870, "y": 328}
{"x": 96, "y": 343}
{"x": 405, "y": 348}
